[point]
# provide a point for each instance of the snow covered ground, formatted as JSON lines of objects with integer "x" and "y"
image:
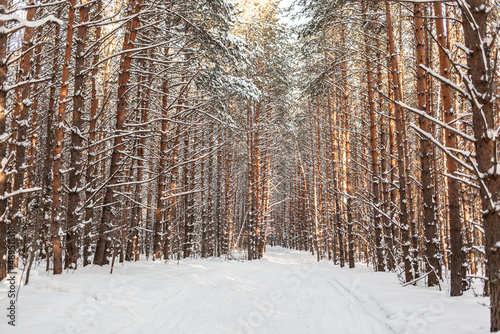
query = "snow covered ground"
{"x": 286, "y": 292}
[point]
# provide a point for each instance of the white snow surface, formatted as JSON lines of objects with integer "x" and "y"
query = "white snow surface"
{"x": 285, "y": 292}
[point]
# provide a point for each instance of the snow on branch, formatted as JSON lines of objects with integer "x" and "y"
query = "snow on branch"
{"x": 445, "y": 81}
{"x": 38, "y": 5}
{"x": 19, "y": 192}
{"x": 435, "y": 120}
{"x": 462, "y": 180}
{"x": 481, "y": 177}
{"x": 23, "y": 23}
{"x": 463, "y": 48}
{"x": 442, "y": 147}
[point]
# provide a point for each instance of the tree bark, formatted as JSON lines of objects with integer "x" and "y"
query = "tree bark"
{"x": 481, "y": 74}
{"x": 157, "y": 248}
{"x": 428, "y": 198}
{"x": 90, "y": 171}
{"x": 123, "y": 84}
{"x": 21, "y": 120}
{"x": 4, "y": 134}
{"x": 374, "y": 150}
{"x": 451, "y": 165}
{"x": 403, "y": 210}
{"x": 57, "y": 216}
{"x": 76, "y": 141}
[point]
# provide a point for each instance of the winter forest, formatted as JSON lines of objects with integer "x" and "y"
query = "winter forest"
{"x": 303, "y": 166}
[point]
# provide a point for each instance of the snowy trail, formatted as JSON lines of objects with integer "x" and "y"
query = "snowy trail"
{"x": 286, "y": 292}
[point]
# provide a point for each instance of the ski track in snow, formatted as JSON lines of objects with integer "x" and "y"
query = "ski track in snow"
{"x": 285, "y": 292}
{"x": 378, "y": 327}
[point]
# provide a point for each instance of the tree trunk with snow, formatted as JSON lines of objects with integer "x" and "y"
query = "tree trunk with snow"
{"x": 403, "y": 209}
{"x": 481, "y": 89}
{"x": 428, "y": 198}
{"x": 57, "y": 229}
{"x": 114, "y": 171}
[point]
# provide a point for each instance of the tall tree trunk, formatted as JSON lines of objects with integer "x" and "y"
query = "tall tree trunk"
{"x": 317, "y": 242}
{"x": 4, "y": 134}
{"x": 336, "y": 184}
{"x": 90, "y": 171}
{"x": 133, "y": 241}
{"x": 75, "y": 164}
{"x": 395, "y": 251}
{"x": 403, "y": 210}
{"x": 388, "y": 225}
{"x": 172, "y": 200}
{"x": 123, "y": 84}
{"x": 57, "y": 215}
{"x": 35, "y": 118}
{"x": 451, "y": 165}
{"x": 157, "y": 249}
{"x": 481, "y": 74}
{"x": 250, "y": 181}
{"x": 374, "y": 150}
{"x": 47, "y": 177}
{"x": 21, "y": 121}
{"x": 185, "y": 198}
{"x": 256, "y": 193}
{"x": 331, "y": 169}
{"x": 350, "y": 222}
{"x": 429, "y": 223}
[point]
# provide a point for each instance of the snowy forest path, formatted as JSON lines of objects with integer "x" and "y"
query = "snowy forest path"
{"x": 282, "y": 293}
{"x": 287, "y": 291}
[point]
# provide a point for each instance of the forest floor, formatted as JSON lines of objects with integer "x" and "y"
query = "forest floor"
{"x": 285, "y": 292}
